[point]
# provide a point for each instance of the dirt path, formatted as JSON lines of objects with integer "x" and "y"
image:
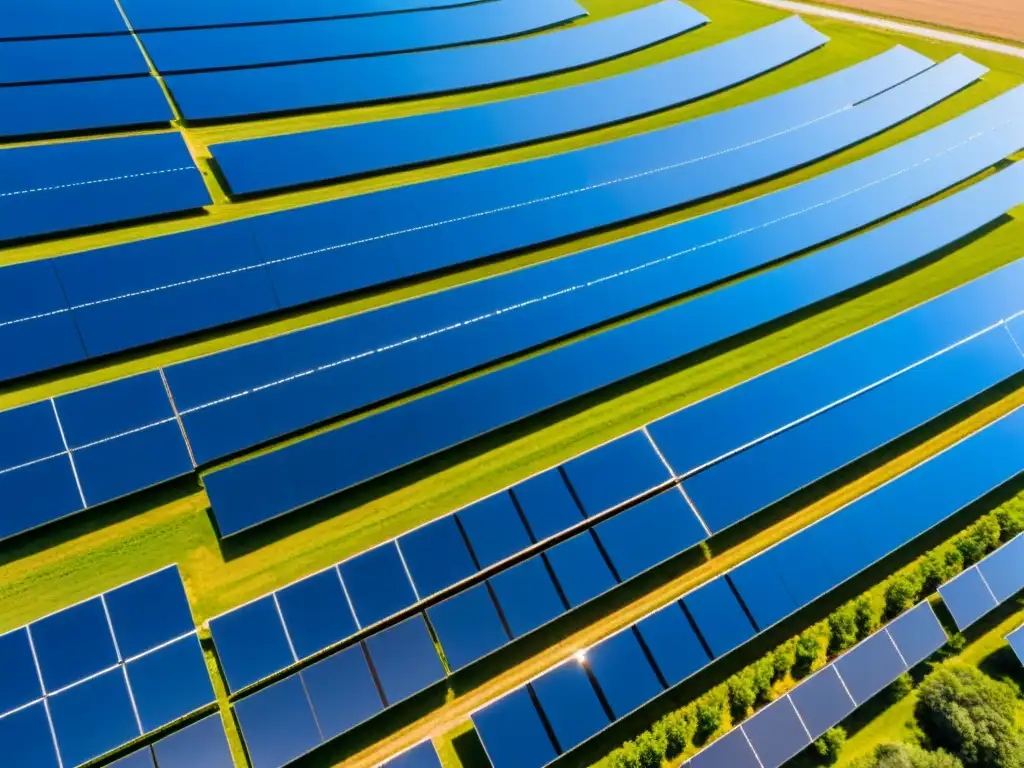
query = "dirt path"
{"x": 1006, "y": 15}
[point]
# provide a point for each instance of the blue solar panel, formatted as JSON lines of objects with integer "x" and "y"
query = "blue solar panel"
{"x": 244, "y": 92}
{"x": 251, "y": 643}
{"x": 673, "y": 644}
{"x": 776, "y": 733}
{"x": 730, "y": 751}
{"x": 170, "y": 683}
{"x": 654, "y": 530}
{"x": 580, "y": 569}
{"x": 258, "y": 165}
{"x": 423, "y": 755}
{"x": 764, "y": 593}
{"x": 513, "y": 733}
{"x": 18, "y": 671}
{"x": 405, "y": 659}
{"x": 917, "y": 634}
{"x": 52, "y": 188}
{"x": 73, "y": 644}
{"x": 967, "y": 597}
{"x": 381, "y": 442}
{"x": 25, "y": 738}
{"x": 623, "y": 673}
{"x": 615, "y": 472}
{"x": 316, "y": 613}
{"x": 468, "y": 626}
{"x": 822, "y": 701}
{"x": 277, "y": 724}
{"x": 94, "y": 717}
{"x": 871, "y": 666}
{"x": 719, "y": 616}
{"x": 201, "y": 744}
{"x": 58, "y": 18}
{"x": 799, "y": 563}
{"x": 547, "y": 504}
{"x": 1004, "y": 569}
{"x": 1016, "y": 640}
{"x": 494, "y": 529}
{"x": 149, "y": 611}
{"x": 745, "y": 483}
{"x": 247, "y": 46}
{"x": 570, "y": 703}
{"x": 436, "y": 555}
{"x": 31, "y": 110}
{"x": 145, "y": 15}
{"x": 527, "y": 596}
{"x": 377, "y": 583}
{"x": 141, "y": 759}
{"x": 342, "y": 691}
{"x": 77, "y": 58}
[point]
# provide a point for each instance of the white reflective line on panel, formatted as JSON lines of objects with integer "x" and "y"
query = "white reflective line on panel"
{"x": 160, "y": 647}
{"x": 284, "y": 626}
{"x": 799, "y": 717}
{"x": 348, "y": 597}
{"x": 898, "y": 651}
{"x": 408, "y": 574}
{"x": 64, "y": 440}
{"x": 845, "y": 688}
{"x": 984, "y": 581}
{"x": 91, "y": 182}
{"x": 131, "y": 697}
{"x": 751, "y": 745}
{"x": 181, "y": 425}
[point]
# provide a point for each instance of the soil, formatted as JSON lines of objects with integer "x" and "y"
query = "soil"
{"x": 995, "y": 18}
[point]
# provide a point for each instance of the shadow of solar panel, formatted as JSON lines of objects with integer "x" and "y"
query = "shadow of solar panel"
{"x": 917, "y": 634}
{"x": 170, "y": 683}
{"x": 730, "y": 751}
{"x": 570, "y": 704}
{"x": 93, "y": 717}
{"x": 248, "y": 46}
{"x": 527, "y": 596}
{"x": 201, "y": 745}
{"x": 547, "y": 504}
{"x": 247, "y": 92}
{"x": 615, "y": 472}
{"x": 53, "y": 188}
{"x": 277, "y": 724}
{"x": 316, "y": 613}
{"x": 822, "y": 701}
{"x": 673, "y": 644}
{"x": 73, "y": 58}
{"x": 494, "y": 528}
{"x": 467, "y": 626}
{"x": 436, "y": 555}
{"x": 342, "y": 691}
{"x": 251, "y": 643}
{"x": 643, "y": 536}
{"x": 580, "y": 569}
{"x": 871, "y": 666}
{"x": 259, "y": 165}
{"x": 623, "y": 673}
{"x": 405, "y": 659}
{"x": 512, "y": 732}
{"x": 26, "y": 739}
{"x": 1004, "y": 569}
{"x": 776, "y": 733}
{"x": 719, "y": 616}
{"x": 377, "y": 583}
{"x": 423, "y": 755}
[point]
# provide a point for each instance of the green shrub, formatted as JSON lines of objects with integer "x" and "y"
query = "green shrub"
{"x": 982, "y": 538}
{"x": 842, "y": 630}
{"x": 1011, "y": 518}
{"x": 901, "y": 687}
{"x": 900, "y": 594}
{"x": 678, "y": 729}
{"x": 830, "y": 745}
{"x": 783, "y": 659}
{"x": 808, "y": 650}
{"x": 762, "y": 675}
{"x": 866, "y": 616}
{"x": 741, "y": 694}
{"x": 650, "y": 750}
{"x": 906, "y": 756}
{"x": 709, "y": 714}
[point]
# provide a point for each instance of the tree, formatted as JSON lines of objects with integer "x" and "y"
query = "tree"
{"x": 981, "y": 539}
{"x": 709, "y": 714}
{"x": 650, "y": 750}
{"x": 842, "y": 630}
{"x": 762, "y": 675}
{"x": 783, "y": 659}
{"x": 901, "y": 687}
{"x": 808, "y": 651}
{"x": 866, "y": 616}
{"x": 906, "y": 756}
{"x": 973, "y": 716}
{"x": 741, "y": 694}
{"x": 830, "y": 745}
{"x": 900, "y": 594}
{"x": 678, "y": 729}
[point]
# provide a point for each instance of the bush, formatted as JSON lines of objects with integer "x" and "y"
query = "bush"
{"x": 808, "y": 650}
{"x": 741, "y": 694}
{"x": 783, "y": 659}
{"x": 678, "y": 729}
{"x": 935, "y": 570}
{"x": 982, "y": 538}
{"x": 1011, "y": 518}
{"x": 865, "y": 615}
{"x": 973, "y": 716}
{"x": 709, "y": 714}
{"x": 900, "y": 594}
{"x": 762, "y": 676}
{"x": 901, "y": 687}
{"x": 842, "y": 630}
{"x": 906, "y": 756}
{"x": 650, "y": 750}
{"x": 830, "y": 745}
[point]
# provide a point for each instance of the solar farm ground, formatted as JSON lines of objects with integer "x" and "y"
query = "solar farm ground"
{"x": 108, "y": 546}
{"x": 993, "y": 18}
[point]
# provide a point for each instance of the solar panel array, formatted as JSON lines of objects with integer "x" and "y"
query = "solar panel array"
{"x": 98, "y": 675}
{"x": 787, "y": 726}
{"x": 1016, "y": 641}
{"x": 203, "y": 744}
{"x": 423, "y": 755}
{"x": 987, "y": 584}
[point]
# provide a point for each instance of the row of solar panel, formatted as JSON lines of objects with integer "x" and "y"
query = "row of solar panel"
{"x": 275, "y": 162}
{"x": 423, "y": 755}
{"x": 915, "y": 358}
{"x": 73, "y": 58}
{"x": 787, "y": 726}
{"x": 240, "y": 93}
{"x": 54, "y": 188}
{"x": 156, "y": 289}
{"x": 203, "y": 744}
{"x": 88, "y": 679}
{"x": 1016, "y": 641}
{"x": 764, "y": 590}
{"x": 986, "y": 585}
{"x": 275, "y": 483}
{"x": 228, "y": 47}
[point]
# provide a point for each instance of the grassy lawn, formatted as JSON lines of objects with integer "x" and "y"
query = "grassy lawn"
{"x": 103, "y": 548}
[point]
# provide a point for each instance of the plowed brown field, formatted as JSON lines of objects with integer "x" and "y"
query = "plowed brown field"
{"x": 998, "y": 18}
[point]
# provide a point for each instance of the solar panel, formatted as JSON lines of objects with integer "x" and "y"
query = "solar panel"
{"x": 378, "y": 583}
{"x": 764, "y": 592}
{"x": 203, "y": 743}
{"x": 316, "y": 612}
{"x": 730, "y": 751}
{"x": 53, "y": 188}
{"x": 75, "y": 58}
{"x": 37, "y": 110}
{"x": 342, "y": 691}
{"x": 719, "y": 617}
{"x": 512, "y": 732}
{"x": 1016, "y": 640}
{"x": 405, "y": 659}
{"x": 546, "y": 504}
{"x": 871, "y": 666}
{"x": 776, "y": 733}
{"x": 494, "y": 529}
{"x": 259, "y": 165}
{"x": 170, "y": 683}
{"x": 423, "y": 755}
{"x": 527, "y": 596}
{"x": 251, "y": 643}
{"x": 58, "y": 18}
{"x": 73, "y": 644}
{"x": 1004, "y": 569}
{"x": 141, "y": 759}
{"x": 570, "y": 704}
{"x": 248, "y": 92}
{"x": 622, "y": 672}
{"x": 93, "y": 717}
{"x": 437, "y": 555}
{"x": 380, "y": 443}
{"x": 615, "y": 472}
{"x": 674, "y": 646}
{"x": 277, "y": 724}
{"x": 17, "y": 669}
{"x": 467, "y": 626}
{"x": 149, "y": 612}
{"x": 822, "y": 700}
{"x": 967, "y": 597}
{"x": 580, "y": 569}
{"x": 250, "y": 46}
{"x": 917, "y": 634}
{"x": 26, "y": 738}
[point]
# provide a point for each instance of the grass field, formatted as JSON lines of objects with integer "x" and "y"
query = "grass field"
{"x": 103, "y": 548}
